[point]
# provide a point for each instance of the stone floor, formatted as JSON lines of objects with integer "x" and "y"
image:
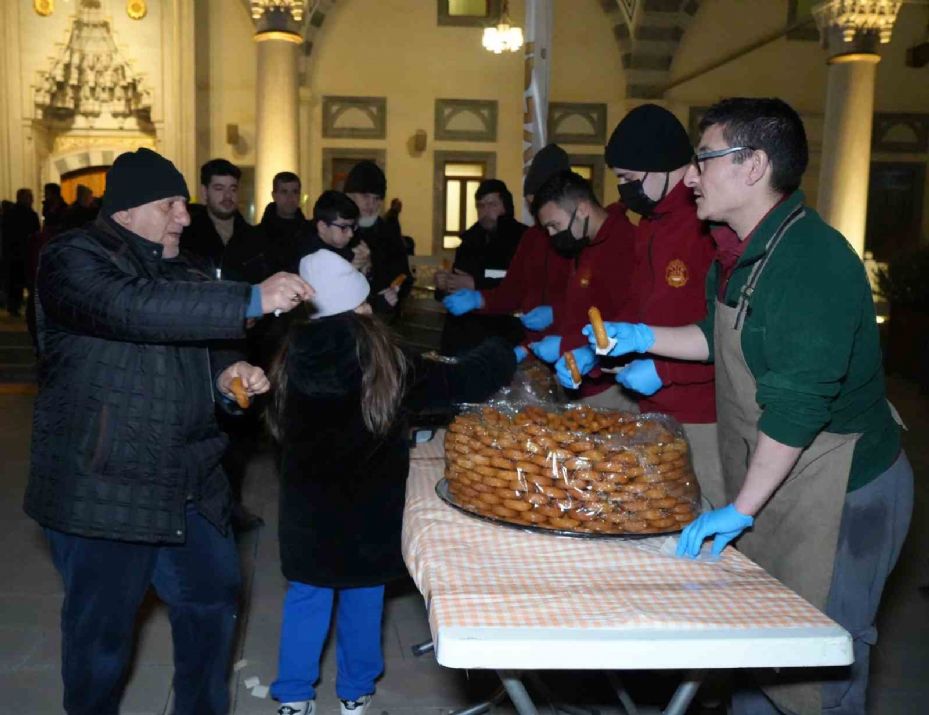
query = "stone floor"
{"x": 30, "y": 596}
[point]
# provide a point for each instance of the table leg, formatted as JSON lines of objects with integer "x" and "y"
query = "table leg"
{"x": 685, "y": 693}
{"x": 622, "y": 694}
{"x": 517, "y": 692}
{"x": 498, "y": 697}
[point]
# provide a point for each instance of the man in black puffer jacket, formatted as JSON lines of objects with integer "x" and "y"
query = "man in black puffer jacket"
{"x": 125, "y": 475}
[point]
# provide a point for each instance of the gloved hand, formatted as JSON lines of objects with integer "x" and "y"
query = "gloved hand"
{"x": 640, "y": 376}
{"x": 630, "y": 337}
{"x": 538, "y": 318}
{"x": 586, "y": 360}
{"x": 521, "y": 353}
{"x": 463, "y": 301}
{"x": 547, "y": 349}
{"x": 725, "y": 524}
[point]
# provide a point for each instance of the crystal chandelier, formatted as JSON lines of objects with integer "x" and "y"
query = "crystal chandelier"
{"x": 859, "y": 16}
{"x": 504, "y": 37}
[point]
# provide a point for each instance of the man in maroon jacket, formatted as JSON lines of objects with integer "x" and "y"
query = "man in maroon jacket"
{"x": 599, "y": 245}
{"x": 649, "y": 151}
{"x": 536, "y": 278}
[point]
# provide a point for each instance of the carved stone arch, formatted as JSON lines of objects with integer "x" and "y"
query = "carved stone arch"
{"x": 648, "y": 33}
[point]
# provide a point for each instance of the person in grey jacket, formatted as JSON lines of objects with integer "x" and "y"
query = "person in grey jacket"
{"x": 125, "y": 476}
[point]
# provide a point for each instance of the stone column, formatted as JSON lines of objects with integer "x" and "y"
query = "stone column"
{"x": 277, "y": 148}
{"x": 537, "y": 78}
{"x": 851, "y": 31}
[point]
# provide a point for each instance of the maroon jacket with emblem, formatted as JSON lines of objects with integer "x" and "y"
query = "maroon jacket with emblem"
{"x": 600, "y": 276}
{"x": 673, "y": 253}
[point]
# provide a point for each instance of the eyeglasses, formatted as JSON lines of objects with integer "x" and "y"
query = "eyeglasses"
{"x": 342, "y": 226}
{"x": 698, "y": 159}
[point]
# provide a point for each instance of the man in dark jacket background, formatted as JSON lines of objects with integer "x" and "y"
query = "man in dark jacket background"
{"x": 283, "y": 223}
{"x": 19, "y": 223}
{"x": 481, "y": 262}
{"x": 125, "y": 475}
{"x": 366, "y": 185}
{"x": 232, "y": 249}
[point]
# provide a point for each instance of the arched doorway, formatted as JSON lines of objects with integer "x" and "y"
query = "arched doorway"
{"x": 93, "y": 177}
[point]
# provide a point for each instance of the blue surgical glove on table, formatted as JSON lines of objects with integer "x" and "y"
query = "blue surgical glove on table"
{"x": 586, "y": 360}
{"x": 547, "y": 349}
{"x": 630, "y": 337}
{"x": 463, "y": 301}
{"x": 521, "y": 353}
{"x": 538, "y": 318}
{"x": 640, "y": 376}
{"x": 725, "y": 524}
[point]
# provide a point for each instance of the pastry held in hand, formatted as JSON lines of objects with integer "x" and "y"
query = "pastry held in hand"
{"x": 572, "y": 366}
{"x": 237, "y": 388}
{"x": 604, "y": 342}
{"x": 398, "y": 281}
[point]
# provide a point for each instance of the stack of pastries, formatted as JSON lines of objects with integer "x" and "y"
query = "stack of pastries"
{"x": 573, "y": 469}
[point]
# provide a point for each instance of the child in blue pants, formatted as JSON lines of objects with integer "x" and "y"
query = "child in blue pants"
{"x": 341, "y": 391}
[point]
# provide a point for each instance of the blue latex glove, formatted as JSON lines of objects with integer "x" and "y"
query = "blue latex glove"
{"x": 640, "y": 376}
{"x": 725, "y": 524}
{"x": 538, "y": 318}
{"x": 586, "y": 360}
{"x": 630, "y": 337}
{"x": 547, "y": 349}
{"x": 463, "y": 301}
{"x": 521, "y": 353}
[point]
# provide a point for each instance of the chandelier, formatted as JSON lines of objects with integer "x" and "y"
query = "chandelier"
{"x": 504, "y": 37}
{"x": 853, "y": 17}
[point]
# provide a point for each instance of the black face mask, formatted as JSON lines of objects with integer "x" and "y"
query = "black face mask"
{"x": 634, "y": 197}
{"x": 565, "y": 242}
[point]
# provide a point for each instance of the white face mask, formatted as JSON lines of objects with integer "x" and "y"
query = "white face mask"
{"x": 367, "y": 221}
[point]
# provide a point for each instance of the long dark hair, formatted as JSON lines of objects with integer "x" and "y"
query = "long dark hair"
{"x": 384, "y": 370}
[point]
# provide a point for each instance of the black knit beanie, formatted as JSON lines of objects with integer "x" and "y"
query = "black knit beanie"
{"x": 366, "y": 177}
{"x": 649, "y": 138}
{"x": 495, "y": 186}
{"x": 548, "y": 161}
{"x": 140, "y": 177}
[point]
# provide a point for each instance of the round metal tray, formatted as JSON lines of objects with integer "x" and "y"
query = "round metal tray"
{"x": 441, "y": 489}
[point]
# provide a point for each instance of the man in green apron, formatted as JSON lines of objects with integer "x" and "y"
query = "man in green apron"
{"x": 820, "y": 493}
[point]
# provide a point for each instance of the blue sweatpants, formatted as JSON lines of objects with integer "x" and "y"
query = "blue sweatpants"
{"x": 307, "y": 614}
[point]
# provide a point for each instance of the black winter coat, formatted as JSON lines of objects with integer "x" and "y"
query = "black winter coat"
{"x": 479, "y": 253}
{"x": 342, "y": 488}
{"x": 124, "y": 432}
{"x": 389, "y": 260}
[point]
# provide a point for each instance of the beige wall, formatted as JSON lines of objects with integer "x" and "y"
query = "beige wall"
{"x": 790, "y": 69}
{"x": 363, "y": 50}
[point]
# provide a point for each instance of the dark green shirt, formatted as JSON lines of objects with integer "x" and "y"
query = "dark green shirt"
{"x": 811, "y": 341}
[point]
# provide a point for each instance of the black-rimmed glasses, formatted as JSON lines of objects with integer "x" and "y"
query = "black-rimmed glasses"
{"x": 698, "y": 159}
{"x": 342, "y": 226}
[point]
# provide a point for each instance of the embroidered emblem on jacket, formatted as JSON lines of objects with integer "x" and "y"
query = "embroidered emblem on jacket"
{"x": 676, "y": 273}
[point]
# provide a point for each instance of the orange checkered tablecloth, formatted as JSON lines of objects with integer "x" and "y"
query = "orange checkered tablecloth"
{"x": 478, "y": 575}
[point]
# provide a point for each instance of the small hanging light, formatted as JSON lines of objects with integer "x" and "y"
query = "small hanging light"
{"x": 504, "y": 37}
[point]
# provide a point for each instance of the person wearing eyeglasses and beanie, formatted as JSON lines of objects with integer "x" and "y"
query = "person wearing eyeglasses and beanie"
{"x": 649, "y": 152}
{"x": 366, "y": 185}
{"x": 820, "y": 492}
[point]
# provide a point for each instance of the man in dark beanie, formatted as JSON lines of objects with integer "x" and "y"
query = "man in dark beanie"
{"x": 378, "y": 245}
{"x": 125, "y": 476}
{"x": 481, "y": 262}
{"x": 535, "y": 280}
{"x": 649, "y": 152}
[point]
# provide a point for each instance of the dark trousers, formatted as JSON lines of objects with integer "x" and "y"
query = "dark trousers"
{"x": 105, "y": 582}
{"x": 15, "y": 282}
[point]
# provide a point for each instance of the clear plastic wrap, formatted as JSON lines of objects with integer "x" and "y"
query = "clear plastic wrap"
{"x": 572, "y": 469}
{"x": 533, "y": 383}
